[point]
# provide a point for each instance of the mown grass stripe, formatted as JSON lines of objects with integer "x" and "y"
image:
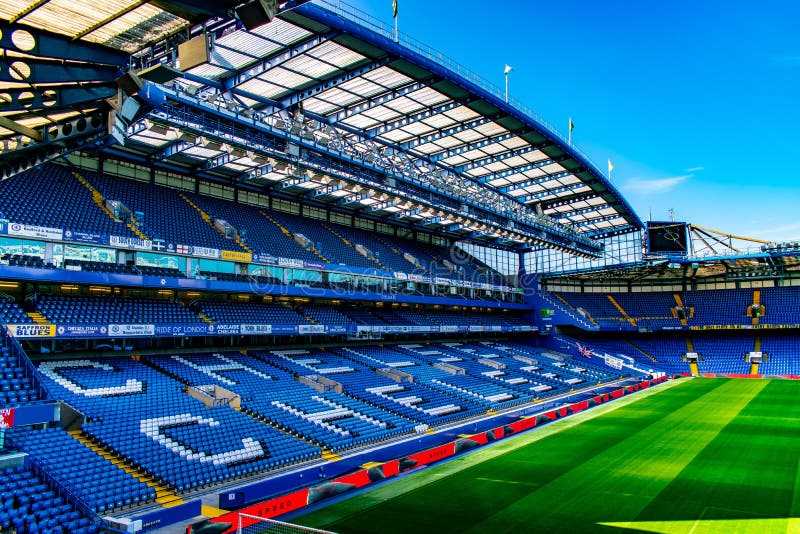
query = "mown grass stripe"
{"x": 612, "y": 485}
{"x": 504, "y": 456}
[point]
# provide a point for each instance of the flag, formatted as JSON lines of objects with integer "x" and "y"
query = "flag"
{"x": 507, "y": 70}
{"x": 610, "y": 166}
{"x": 394, "y": 9}
{"x": 571, "y": 125}
{"x": 586, "y": 352}
{"x": 182, "y": 249}
{"x": 7, "y": 418}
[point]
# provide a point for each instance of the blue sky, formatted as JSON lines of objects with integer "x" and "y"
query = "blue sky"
{"x": 695, "y": 102}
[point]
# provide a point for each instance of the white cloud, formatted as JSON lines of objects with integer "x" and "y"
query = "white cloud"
{"x": 656, "y": 186}
{"x": 787, "y": 232}
{"x": 695, "y": 169}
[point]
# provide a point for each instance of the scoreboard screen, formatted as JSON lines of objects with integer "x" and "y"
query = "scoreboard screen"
{"x": 667, "y": 238}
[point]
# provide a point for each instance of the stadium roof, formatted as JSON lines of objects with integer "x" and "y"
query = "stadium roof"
{"x": 396, "y": 104}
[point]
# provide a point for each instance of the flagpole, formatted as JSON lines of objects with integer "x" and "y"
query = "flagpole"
{"x": 396, "y": 29}
{"x": 506, "y": 87}
{"x": 569, "y": 128}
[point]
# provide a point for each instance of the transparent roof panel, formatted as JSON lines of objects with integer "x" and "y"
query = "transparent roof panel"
{"x": 335, "y": 54}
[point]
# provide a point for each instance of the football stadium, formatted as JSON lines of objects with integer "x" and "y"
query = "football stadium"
{"x": 278, "y": 267}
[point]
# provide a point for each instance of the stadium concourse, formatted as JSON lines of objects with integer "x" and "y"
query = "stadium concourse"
{"x": 255, "y": 255}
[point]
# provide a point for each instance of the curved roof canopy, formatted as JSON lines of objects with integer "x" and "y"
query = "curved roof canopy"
{"x": 350, "y": 79}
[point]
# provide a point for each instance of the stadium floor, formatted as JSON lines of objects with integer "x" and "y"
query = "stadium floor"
{"x": 700, "y": 455}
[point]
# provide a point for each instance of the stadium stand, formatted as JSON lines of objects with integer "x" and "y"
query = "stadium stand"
{"x": 51, "y": 196}
{"x": 104, "y": 310}
{"x": 17, "y": 386}
{"x": 29, "y": 504}
{"x": 99, "y": 484}
{"x": 147, "y": 418}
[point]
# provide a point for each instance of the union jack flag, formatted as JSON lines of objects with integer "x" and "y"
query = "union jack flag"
{"x": 586, "y": 352}
{"x": 182, "y": 249}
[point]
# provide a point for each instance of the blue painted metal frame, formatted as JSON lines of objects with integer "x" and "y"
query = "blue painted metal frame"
{"x": 51, "y": 45}
{"x": 192, "y": 117}
{"x": 331, "y": 20}
{"x": 58, "y": 276}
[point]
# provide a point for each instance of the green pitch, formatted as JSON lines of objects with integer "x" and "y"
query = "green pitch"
{"x": 695, "y": 456}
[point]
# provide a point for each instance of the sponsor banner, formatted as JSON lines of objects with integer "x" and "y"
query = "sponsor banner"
{"x": 3, "y": 226}
{"x": 85, "y": 237}
{"x": 266, "y": 259}
{"x": 613, "y": 362}
{"x": 256, "y": 329}
{"x": 225, "y": 329}
{"x": 476, "y": 328}
{"x": 337, "y": 329}
{"x": 81, "y": 330}
{"x": 28, "y": 331}
{"x": 234, "y": 255}
{"x": 131, "y": 330}
{"x": 311, "y": 329}
{"x": 130, "y": 242}
{"x": 401, "y": 276}
{"x": 284, "y": 329}
{"x": 448, "y": 329}
{"x": 289, "y": 262}
{"x": 7, "y": 418}
{"x": 40, "y": 232}
{"x": 442, "y": 281}
{"x": 181, "y": 330}
{"x": 419, "y": 328}
{"x": 496, "y": 328}
{"x": 315, "y": 265}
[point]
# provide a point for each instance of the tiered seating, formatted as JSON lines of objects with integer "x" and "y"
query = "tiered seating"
{"x": 50, "y": 196}
{"x": 413, "y": 401}
{"x": 251, "y": 313}
{"x": 147, "y": 418}
{"x": 481, "y": 389}
{"x": 383, "y": 252}
{"x": 11, "y": 313}
{"x": 326, "y": 315}
{"x": 723, "y": 353}
{"x": 99, "y": 267}
{"x": 654, "y": 310}
{"x": 103, "y": 310}
{"x": 25, "y": 260}
{"x": 780, "y": 305}
{"x": 261, "y": 235}
{"x": 166, "y": 215}
{"x": 325, "y": 241}
{"x": 783, "y": 354}
{"x": 102, "y": 486}
{"x": 330, "y": 419}
{"x": 28, "y": 504}
{"x": 16, "y": 388}
{"x": 724, "y": 307}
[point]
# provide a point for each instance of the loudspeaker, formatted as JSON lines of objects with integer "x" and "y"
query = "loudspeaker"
{"x": 193, "y": 52}
{"x": 256, "y": 13}
{"x": 130, "y": 83}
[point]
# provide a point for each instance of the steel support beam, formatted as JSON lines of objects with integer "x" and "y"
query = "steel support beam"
{"x": 373, "y": 102}
{"x": 447, "y": 132}
{"x": 57, "y": 98}
{"x": 51, "y": 45}
{"x": 301, "y": 94}
{"x": 457, "y": 151}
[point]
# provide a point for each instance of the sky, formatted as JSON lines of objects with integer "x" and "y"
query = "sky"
{"x": 694, "y": 102}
